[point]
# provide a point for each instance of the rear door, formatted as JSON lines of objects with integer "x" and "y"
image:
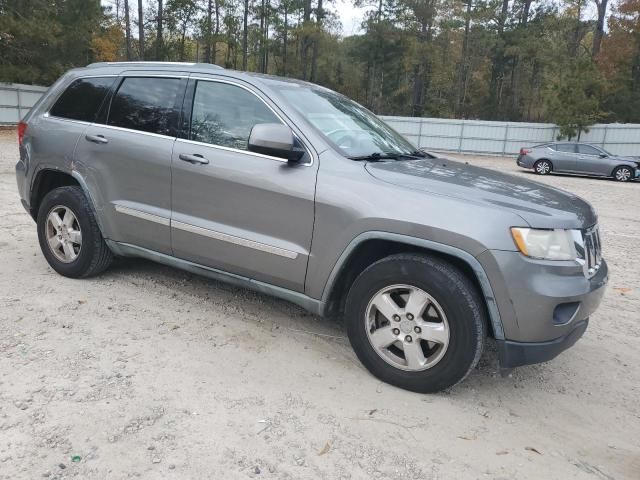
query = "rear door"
{"x": 591, "y": 162}
{"x": 234, "y": 210}
{"x": 127, "y": 159}
{"x": 565, "y": 157}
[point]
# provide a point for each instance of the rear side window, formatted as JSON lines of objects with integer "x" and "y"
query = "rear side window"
{"x": 82, "y": 99}
{"x": 146, "y": 104}
{"x": 224, "y": 114}
{"x": 588, "y": 150}
{"x": 566, "y": 147}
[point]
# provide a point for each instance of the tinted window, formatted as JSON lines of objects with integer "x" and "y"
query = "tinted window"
{"x": 146, "y": 104}
{"x": 566, "y": 147}
{"x": 224, "y": 114}
{"x": 82, "y": 99}
{"x": 588, "y": 150}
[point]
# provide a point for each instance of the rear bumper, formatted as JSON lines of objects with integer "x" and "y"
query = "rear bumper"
{"x": 524, "y": 161}
{"x": 516, "y": 354}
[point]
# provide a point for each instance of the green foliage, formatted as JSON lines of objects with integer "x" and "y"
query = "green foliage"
{"x": 574, "y": 99}
{"x": 488, "y": 59}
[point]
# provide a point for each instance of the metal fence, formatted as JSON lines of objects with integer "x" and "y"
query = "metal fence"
{"x": 16, "y": 100}
{"x": 471, "y": 136}
{"x": 504, "y": 138}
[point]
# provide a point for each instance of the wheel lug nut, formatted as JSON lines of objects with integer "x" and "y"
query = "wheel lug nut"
{"x": 417, "y": 329}
{"x": 409, "y": 316}
{"x": 396, "y": 318}
{"x": 408, "y": 339}
{"x": 396, "y": 331}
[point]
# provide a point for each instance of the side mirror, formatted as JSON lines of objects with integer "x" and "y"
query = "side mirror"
{"x": 276, "y": 140}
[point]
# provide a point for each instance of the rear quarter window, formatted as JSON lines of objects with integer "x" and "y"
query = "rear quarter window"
{"x": 82, "y": 99}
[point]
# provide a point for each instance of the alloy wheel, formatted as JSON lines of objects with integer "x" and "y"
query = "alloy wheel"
{"x": 407, "y": 327}
{"x": 63, "y": 234}
{"x": 623, "y": 174}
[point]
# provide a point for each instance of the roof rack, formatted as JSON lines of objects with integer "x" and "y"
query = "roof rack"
{"x": 151, "y": 63}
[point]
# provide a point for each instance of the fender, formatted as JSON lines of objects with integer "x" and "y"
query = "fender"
{"x": 476, "y": 266}
{"x": 83, "y": 184}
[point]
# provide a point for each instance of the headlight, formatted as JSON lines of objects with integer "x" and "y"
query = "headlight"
{"x": 548, "y": 244}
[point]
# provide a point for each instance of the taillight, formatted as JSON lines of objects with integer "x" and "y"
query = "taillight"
{"x": 524, "y": 151}
{"x": 22, "y": 127}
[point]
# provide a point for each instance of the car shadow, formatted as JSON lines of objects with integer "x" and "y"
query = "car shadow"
{"x": 256, "y": 307}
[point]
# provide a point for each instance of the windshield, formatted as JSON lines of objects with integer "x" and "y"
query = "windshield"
{"x": 353, "y": 129}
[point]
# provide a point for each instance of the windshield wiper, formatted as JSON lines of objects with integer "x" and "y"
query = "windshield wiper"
{"x": 374, "y": 157}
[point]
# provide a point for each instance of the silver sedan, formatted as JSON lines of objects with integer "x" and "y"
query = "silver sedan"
{"x": 578, "y": 158}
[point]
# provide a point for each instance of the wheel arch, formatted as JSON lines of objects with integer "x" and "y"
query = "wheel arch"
{"x": 47, "y": 179}
{"x": 370, "y": 247}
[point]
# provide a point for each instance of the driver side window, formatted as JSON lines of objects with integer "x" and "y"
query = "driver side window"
{"x": 224, "y": 114}
{"x": 588, "y": 150}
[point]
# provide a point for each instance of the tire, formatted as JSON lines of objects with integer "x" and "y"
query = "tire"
{"x": 543, "y": 167}
{"x": 453, "y": 297}
{"x": 87, "y": 258}
{"x": 623, "y": 174}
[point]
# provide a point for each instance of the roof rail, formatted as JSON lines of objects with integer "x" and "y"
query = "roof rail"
{"x": 151, "y": 63}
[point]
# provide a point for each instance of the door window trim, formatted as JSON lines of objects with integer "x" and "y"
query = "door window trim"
{"x": 189, "y": 111}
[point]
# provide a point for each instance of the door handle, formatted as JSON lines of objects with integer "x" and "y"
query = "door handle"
{"x": 96, "y": 139}
{"x": 196, "y": 159}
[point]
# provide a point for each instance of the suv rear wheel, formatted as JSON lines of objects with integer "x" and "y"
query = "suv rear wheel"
{"x": 416, "y": 322}
{"x": 69, "y": 235}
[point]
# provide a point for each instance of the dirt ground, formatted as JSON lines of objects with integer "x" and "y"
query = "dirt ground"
{"x": 150, "y": 372}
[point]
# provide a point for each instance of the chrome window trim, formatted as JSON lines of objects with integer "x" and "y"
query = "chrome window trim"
{"x": 244, "y": 242}
{"x": 244, "y": 87}
{"x": 143, "y": 215}
{"x": 237, "y": 150}
{"x": 142, "y": 132}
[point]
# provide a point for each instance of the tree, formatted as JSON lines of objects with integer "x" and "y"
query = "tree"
{"x": 575, "y": 99}
{"x": 141, "y": 29}
{"x": 598, "y": 34}
{"x": 159, "y": 27}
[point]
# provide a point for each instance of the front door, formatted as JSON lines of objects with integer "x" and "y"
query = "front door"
{"x": 235, "y": 210}
{"x": 128, "y": 161}
{"x": 590, "y": 161}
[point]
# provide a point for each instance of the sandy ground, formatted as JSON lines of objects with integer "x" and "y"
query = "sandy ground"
{"x": 150, "y": 372}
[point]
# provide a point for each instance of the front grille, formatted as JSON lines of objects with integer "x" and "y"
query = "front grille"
{"x": 592, "y": 250}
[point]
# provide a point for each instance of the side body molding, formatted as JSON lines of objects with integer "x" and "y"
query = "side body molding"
{"x": 483, "y": 279}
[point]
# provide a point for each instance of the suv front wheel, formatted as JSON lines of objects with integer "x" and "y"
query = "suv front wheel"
{"x": 416, "y": 321}
{"x": 69, "y": 235}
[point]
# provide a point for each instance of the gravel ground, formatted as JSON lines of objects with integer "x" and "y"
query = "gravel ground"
{"x": 150, "y": 372}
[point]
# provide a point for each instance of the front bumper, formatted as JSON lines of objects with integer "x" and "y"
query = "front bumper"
{"x": 516, "y": 354}
{"x": 544, "y": 305}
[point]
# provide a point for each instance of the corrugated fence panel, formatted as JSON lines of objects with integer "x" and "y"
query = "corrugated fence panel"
{"x": 506, "y": 138}
{"x": 16, "y": 100}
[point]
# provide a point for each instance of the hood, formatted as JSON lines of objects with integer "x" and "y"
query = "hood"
{"x": 539, "y": 205}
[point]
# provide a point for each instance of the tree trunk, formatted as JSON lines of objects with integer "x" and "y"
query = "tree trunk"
{"x": 244, "y": 35}
{"x": 498, "y": 64}
{"x": 464, "y": 67}
{"x": 599, "y": 33}
{"x": 216, "y": 32}
{"x": 141, "y": 29}
{"x": 285, "y": 40}
{"x": 159, "y": 55}
{"x": 127, "y": 27}
{"x": 314, "y": 57}
{"x": 208, "y": 26}
{"x": 306, "y": 39}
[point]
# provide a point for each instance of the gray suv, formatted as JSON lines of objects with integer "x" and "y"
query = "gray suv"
{"x": 578, "y": 158}
{"x": 296, "y": 191}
